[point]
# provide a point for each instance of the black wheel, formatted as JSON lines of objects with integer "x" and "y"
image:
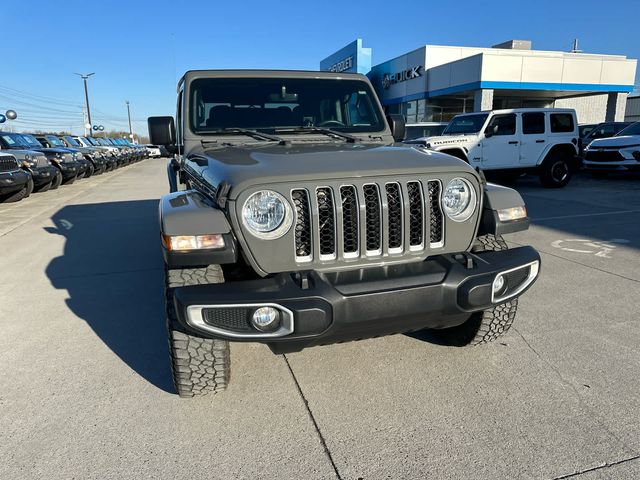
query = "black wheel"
{"x": 556, "y": 171}
{"x": 30, "y": 187}
{"x": 488, "y": 325}
{"x": 199, "y": 366}
{"x": 57, "y": 181}
{"x": 89, "y": 172}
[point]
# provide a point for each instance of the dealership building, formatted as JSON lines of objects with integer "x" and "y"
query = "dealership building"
{"x": 433, "y": 83}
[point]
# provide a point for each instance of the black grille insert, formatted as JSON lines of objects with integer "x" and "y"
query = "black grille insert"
{"x": 8, "y": 164}
{"x": 326, "y": 219}
{"x": 303, "y": 223}
{"x": 394, "y": 203}
{"x": 416, "y": 214}
{"x": 228, "y": 318}
{"x": 350, "y": 232}
{"x": 435, "y": 213}
{"x": 373, "y": 221}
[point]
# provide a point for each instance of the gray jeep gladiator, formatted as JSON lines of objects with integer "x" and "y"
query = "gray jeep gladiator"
{"x": 295, "y": 218}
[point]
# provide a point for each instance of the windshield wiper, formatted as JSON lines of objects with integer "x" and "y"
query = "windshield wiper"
{"x": 248, "y": 132}
{"x": 325, "y": 131}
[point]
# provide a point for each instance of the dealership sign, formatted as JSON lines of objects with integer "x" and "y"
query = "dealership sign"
{"x": 389, "y": 79}
{"x": 342, "y": 65}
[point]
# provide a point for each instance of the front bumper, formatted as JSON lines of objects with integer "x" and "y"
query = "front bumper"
{"x": 13, "y": 181}
{"x": 43, "y": 175}
{"x": 615, "y": 166}
{"x": 324, "y": 308}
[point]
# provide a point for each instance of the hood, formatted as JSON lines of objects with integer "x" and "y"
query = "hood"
{"x": 243, "y": 166}
{"x": 19, "y": 152}
{"x": 618, "y": 142}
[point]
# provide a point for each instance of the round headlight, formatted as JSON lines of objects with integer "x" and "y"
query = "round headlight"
{"x": 267, "y": 214}
{"x": 459, "y": 200}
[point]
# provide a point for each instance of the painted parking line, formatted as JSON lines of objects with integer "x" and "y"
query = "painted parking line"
{"x": 588, "y": 246}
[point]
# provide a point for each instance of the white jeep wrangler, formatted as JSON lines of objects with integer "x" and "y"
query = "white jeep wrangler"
{"x": 534, "y": 140}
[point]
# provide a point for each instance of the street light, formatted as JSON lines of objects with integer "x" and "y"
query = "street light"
{"x": 86, "y": 95}
{"x": 129, "y": 115}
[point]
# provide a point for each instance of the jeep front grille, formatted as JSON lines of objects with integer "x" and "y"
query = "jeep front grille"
{"x": 8, "y": 164}
{"x": 42, "y": 161}
{"x": 367, "y": 220}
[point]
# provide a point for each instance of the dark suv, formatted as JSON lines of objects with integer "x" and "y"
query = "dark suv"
{"x": 60, "y": 158}
{"x": 43, "y": 174}
{"x": 14, "y": 182}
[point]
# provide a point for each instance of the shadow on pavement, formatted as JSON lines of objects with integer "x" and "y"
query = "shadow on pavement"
{"x": 112, "y": 271}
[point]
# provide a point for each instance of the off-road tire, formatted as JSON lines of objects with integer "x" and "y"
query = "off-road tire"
{"x": 43, "y": 188}
{"x": 69, "y": 181}
{"x": 553, "y": 168}
{"x": 90, "y": 171}
{"x": 199, "y": 366}
{"x": 486, "y": 326}
{"x": 56, "y": 182}
{"x": 30, "y": 187}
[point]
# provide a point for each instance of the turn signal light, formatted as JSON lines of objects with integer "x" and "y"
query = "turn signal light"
{"x": 511, "y": 214}
{"x": 184, "y": 243}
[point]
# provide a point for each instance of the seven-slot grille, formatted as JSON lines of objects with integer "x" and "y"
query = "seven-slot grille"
{"x": 8, "y": 164}
{"x": 367, "y": 220}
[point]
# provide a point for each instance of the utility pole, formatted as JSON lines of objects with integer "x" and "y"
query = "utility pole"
{"x": 129, "y": 115}
{"x": 86, "y": 97}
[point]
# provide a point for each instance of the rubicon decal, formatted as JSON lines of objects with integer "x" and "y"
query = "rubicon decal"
{"x": 389, "y": 79}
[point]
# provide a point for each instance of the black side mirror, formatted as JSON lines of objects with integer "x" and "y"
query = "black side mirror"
{"x": 162, "y": 131}
{"x": 396, "y": 124}
{"x": 490, "y": 131}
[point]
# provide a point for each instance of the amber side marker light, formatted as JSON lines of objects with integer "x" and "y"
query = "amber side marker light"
{"x": 186, "y": 243}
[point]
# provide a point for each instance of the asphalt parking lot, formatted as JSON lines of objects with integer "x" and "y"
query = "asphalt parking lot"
{"x": 85, "y": 390}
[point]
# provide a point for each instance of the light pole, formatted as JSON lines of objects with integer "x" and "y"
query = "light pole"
{"x": 129, "y": 115}
{"x": 86, "y": 97}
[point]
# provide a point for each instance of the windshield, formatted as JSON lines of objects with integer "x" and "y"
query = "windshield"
{"x": 72, "y": 141}
{"x": 466, "y": 124}
{"x": 633, "y": 129}
{"x": 55, "y": 141}
{"x": 584, "y": 130}
{"x": 13, "y": 140}
{"x": 270, "y": 103}
{"x": 92, "y": 141}
{"x": 31, "y": 141}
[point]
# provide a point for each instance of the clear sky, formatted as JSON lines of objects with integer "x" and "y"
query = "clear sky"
{"x": 139, "y": 49}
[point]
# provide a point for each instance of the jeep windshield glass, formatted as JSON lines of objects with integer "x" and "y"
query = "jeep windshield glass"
{"x": 13, "y": 140}
{"x": 31, "y": 141}
{"x": 633, "y": 129}
{"x": 55, "y": 141}
{"x": 267, "y": 104}
{"x": 464, "y": 124}
{"x": 72, "y": 141}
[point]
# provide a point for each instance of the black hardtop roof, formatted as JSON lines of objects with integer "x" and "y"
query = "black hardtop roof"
{"x": 257, "y": 73}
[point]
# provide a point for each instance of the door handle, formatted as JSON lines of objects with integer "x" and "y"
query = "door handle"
{"x": 513, "y": 142}
{"x": 539, "y": 141}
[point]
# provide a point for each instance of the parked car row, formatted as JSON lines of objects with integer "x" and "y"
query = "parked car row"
{"x": 37, "y": 163}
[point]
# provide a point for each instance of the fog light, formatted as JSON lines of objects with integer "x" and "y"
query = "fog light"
{"x": 266, "y": 318}
{"x": 498, "y": 285}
